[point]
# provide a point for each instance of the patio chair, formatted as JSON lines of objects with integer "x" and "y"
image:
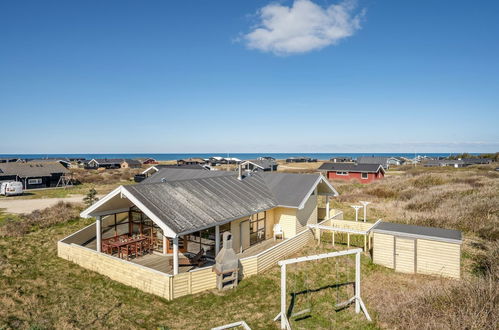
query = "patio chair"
{"x": 197, "y": 260}
{"x": 278, "y": 231}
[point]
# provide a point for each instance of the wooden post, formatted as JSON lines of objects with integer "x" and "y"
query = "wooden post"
{"x": 175, "y": 255}
{"x": 327, "y": 207}
{"x": 217, "y": 240}
{"x": 165, "y": 244}
{"x": 283, "y": 297}
{"x": 369, "y": 242}
{"x": 333, "y": 238}
{"x": 357, "y": 282}
{"x": 348, "y": 240}
{"x": 365, "y": 243}
{"x": 98, "y": 233}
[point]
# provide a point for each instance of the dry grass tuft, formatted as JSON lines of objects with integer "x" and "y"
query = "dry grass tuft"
{"x": 60, "y": 213}
{"x": 105, "y": 176}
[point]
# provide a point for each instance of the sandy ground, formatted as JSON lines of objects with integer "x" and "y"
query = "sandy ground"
{"x": 29, "y": 205}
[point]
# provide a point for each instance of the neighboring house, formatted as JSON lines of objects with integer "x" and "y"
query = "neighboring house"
{"x": 34, "y": 174}
{"x": 341, "y": 160}
{"x": 445, "y": 162}
{"x": 182, "y": 216}
{"x": 364, "y": 173}
{"x": 384, "y": 161}
{"x": 131, "y": 163}
{"x": 10, "y": 160}
{"x": 147, "y": 161}
{"x": 476, "y": 161}
{"x": 113, "y": 163}
{"x": 191, "y": 161}
{"x": 301, "y": 160}
{"x": 66, "y": 162}
{"x": 259, "y": 165}
{"x": 266, "y": 158}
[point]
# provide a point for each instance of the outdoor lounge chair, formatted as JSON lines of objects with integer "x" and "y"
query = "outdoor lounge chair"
{"x": 197, "y": 260}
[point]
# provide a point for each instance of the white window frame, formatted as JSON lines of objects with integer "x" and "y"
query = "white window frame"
{"x": 341, "y": 173}
{"x": 35, "y": 181}
{"x": 362, "y": 176}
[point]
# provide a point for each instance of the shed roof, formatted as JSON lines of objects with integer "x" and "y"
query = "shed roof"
{"x": 32, "y": 169}
{"x": 439, "y": 234}
{"x": 351, "y": 167}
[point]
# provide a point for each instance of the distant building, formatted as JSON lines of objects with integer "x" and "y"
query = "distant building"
{"x": 382, "y": 160}
{"x": 10, "y": 160}
{"x": 34, "y": 174}
{"x": 444, "y": 162}
{"x": 259, "y": 165}
{"x": 147, "y": 161}
{"x": 364, "y": 173}
{"x": 113, "y": 163}
{"x": 191, "y": 161}
{"x": 341, "y": 160}
{"x": 301, "y": 160}
{"x": 266, "y": 158}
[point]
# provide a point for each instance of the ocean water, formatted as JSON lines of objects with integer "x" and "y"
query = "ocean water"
{"x": 243, "y": 156}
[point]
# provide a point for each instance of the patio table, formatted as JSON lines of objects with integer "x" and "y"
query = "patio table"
{"x": 127, "y": 243}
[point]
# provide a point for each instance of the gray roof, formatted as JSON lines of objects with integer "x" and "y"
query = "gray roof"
{"x": 439, "y": 234}
{"x": 290, "y": 189}
{"x": 189, "y": 167}
{"x": 133, "y": 161}
{"x": 32, "y": 169}
{"x": 266, "y": 164}
{"x": 179, "y": 173}
{"x": 189, "y": 205}
{"x": 373, "y": 160}
{"x": 350, "y": 167}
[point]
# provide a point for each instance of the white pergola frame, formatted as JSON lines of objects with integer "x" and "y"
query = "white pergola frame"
{"x": 359, "y": 304}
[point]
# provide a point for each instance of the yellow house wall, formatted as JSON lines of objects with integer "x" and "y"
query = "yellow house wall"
{"x": 287, "y": 219}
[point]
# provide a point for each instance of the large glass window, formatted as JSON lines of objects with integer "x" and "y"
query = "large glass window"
{"x": 257, "y": 228}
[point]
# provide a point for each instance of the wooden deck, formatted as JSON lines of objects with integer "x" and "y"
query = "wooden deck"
{"x": 257, "y": 248}
{"x": 163, "y": 263}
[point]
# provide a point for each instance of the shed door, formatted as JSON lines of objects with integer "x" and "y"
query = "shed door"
{"x": 404, "y": 255}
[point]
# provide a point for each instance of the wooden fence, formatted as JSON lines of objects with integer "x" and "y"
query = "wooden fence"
{"x": 169, "y": 286}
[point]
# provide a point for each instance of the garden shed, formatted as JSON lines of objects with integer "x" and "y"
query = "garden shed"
{"x": 416, "y": 249}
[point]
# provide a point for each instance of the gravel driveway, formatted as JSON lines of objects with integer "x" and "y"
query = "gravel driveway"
{"x": 29, "y": 205}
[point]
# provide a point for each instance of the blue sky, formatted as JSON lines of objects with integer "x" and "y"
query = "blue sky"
{"x": 249, "y": 76}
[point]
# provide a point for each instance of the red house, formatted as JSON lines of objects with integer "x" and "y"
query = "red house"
{"x": 364, "y": 173}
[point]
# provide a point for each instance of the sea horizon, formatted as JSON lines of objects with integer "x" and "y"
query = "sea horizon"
{"x": 242, "y": 156}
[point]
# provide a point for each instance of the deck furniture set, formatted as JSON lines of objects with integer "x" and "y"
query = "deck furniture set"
{"x": 126, "y": 245}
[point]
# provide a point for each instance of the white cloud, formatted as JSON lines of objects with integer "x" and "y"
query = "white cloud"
{"x": 303, "y": 27}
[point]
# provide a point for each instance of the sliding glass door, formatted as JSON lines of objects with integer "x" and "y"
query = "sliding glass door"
{"x": 257, "y": 228}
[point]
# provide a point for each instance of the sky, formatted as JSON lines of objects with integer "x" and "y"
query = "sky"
{"x": 249, "y": 76}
